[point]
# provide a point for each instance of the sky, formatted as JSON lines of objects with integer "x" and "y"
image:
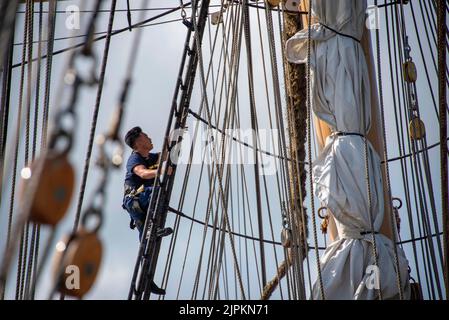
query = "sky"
{"x": 148, "y": 105}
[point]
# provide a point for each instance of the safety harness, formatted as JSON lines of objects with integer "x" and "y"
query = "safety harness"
{"x": 133, "y": 193}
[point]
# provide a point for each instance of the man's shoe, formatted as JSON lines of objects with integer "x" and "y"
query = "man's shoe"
{"x": 155, "y": 289}
{"x": 164, "y": 232}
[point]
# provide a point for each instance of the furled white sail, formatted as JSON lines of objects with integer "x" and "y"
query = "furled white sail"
{"x": 340, "y": 95}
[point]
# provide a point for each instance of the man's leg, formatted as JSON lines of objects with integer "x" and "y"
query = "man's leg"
{"x": 132, "y": 206}
{"x": 139, "y": 220}
{"x": 144, "y": 201}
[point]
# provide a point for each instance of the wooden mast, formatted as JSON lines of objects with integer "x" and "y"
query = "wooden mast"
{"x": 295, "y": 82}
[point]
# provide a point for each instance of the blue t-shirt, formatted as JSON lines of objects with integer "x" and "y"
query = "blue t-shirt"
{"x": 136, "y": 159}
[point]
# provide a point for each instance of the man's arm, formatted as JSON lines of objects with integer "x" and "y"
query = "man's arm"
{"x": 145, "y": 173}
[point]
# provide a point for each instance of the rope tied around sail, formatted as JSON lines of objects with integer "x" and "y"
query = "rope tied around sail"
{"x": 339, "y": 33}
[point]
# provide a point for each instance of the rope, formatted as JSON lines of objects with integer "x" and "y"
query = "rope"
{"x": 339, "y": 33}
{"x": 309, "y": 151}
{"x": 416, "y": 152}
{"x": 266, "y": 7}
{"x": 386, "y": 166}
{"x": 400, "y": 137}
{"x": 368, "y": 187}
{"x": 105, "y": 32}
{"x": 16, "y": 155}
{"x": 22, "y": 214}
{"x": 4, "y": 113}
{"x": 427, "y": 25}
{"x": 212, "y": 246}
{"x": 414, "y": 99}
{"x": 208, "y": 212}
{"x": 24, "y": 262}
{"x": 401, "y": 93}
{"x": 190, "y": 234}
{"x": 423, "y": 59}
{"x": 241, "y": 235}
{"x": 80, "y": 45}
{"x": 19, "y": 266}
{"x": 220, "y": 175}
{"x": 38, "y": 81}
{"x": 131, "y": 62}
{"x": 231, "y": 90}
{"x": 29, "y": 76}
{"x": 296, "y": 76}
{"x": 293, "y": 77}
{"x": 36, "y": 255}
{"x": 197, "y": 46}
{"x": 277, "y": 100}
{"x": 31, "y": 261}
{"x": 34, "y": 235}
{"x": 27, "y": 138}
{"x": 240, "y": 176}
{"x": 250, "y": 215}
{"x": 254, "y": 127}
{"x": 121, "y": 10}
{"x": 48, "y": 69}
{"x": 413, "y": 240}
{"x": 173, "y": 239}
{"x": 133, "y": 291}
{"x": 183, "y": 192}
{"x": 94, "y": 118}
{"x": 442, "y": 33}
{"x": 413, "y": 107}
{"x": 179, "y": 125}
{"x": 431, "y": 192}
{"x": 286, "y": 158}
{"x": 219, "y": 262}
{"x": 273, "y": 284}
{"x": 60, "y": 131}
{"x": 128, "y": 15}
{"x": 197, "y": 116}
{"x": 417, "y": 184}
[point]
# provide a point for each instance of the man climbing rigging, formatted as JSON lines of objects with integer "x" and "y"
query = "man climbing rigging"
{"x": 141, "y": 170}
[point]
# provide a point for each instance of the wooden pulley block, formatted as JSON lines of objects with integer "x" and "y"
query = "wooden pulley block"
{"x": 77, "y": 263}
{"x": 291, "y": 5}
{"x": 410, "y": 73}
{"x": 286, "y": 238}
{"x": 55, "y": 189}
{"x": 274, "y": 3}
{"x": 417, "y": 129}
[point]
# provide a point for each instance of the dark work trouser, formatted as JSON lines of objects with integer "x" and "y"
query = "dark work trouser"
{"x": 137, "y": 208}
